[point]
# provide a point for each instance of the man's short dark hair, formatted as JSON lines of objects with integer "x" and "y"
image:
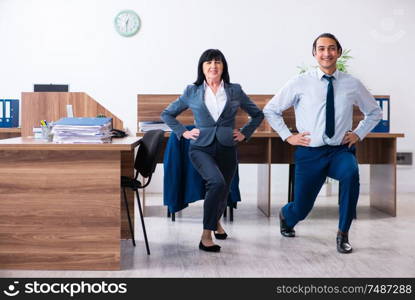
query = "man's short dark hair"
{"x": 330, "y": 36}
{"x": 208, "y": 55}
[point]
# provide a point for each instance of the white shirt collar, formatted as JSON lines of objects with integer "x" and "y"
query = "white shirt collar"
{"x": 320, "y": 74}
{"x": 205, "y": 85}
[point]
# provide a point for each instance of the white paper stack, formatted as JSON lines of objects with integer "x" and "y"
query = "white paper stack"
{"x": 152, "y": 125}
{"x": 82, "y": 130}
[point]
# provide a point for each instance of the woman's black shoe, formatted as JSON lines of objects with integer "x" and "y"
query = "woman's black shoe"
{"x": 221, "y": 236}
{"x": 214, "y": 248}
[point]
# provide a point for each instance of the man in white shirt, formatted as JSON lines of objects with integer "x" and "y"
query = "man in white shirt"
{"x": 323, "y": 101}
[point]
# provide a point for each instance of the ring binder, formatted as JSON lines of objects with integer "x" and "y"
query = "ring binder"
{"x": 9, "y": 113}
{"x": 384, "y": 124}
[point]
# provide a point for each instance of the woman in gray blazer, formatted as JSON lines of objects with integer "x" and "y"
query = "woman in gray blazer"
{"x": 214, "y": 102}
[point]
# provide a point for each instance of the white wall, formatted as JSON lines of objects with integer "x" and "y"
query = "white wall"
{"x": 74, "y": 41}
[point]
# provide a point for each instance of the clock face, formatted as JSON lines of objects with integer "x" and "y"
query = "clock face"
{"x": 127, "y": 23}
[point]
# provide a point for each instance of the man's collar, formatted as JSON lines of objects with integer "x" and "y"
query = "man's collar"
{"x": 320, "y": 74}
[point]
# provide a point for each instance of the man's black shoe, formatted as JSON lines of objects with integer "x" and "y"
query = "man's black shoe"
{"x": 343, "y": 245}
{"x": 285, "y": 229}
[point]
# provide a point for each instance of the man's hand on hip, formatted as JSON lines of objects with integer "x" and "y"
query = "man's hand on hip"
{"x": 299, "y": 139}
{"x": 350, "y": 138}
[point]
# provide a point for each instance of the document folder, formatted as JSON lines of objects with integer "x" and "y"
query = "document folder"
{"x": 1, "y": 113}
{"x": 82, "y": 130}
{"x": 9, "y": 113}
{"x": 83, "y": 121}
{"x": 384, "y": 124}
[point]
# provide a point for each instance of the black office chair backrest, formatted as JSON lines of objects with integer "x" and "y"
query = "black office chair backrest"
{"x": 150, "y": 146}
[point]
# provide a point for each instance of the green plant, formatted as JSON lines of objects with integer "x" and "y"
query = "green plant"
{"x": 341, "y": 63}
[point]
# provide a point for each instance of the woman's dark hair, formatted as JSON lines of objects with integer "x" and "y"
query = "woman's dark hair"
{"x": 330, "y": 36}
{"x": 208, "y": 55}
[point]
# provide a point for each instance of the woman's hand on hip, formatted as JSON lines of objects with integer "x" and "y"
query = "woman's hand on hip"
{"x": 191, "y": 134}
{"x": 238, "y": 136}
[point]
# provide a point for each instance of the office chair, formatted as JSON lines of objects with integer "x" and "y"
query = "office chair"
{"x": 230, "y": 206}
{"x": 183, "y": 184}
{"x": 145, "y": 164}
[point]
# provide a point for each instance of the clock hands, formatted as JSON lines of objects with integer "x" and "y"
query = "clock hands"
{"x": 126, "y": 22}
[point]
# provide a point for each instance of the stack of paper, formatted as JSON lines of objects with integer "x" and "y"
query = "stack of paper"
{"x": 152, "y": 125}
{"x": 82, "y": 130}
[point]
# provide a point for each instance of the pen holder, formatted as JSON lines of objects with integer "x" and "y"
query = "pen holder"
{"x": 47, "y": 133}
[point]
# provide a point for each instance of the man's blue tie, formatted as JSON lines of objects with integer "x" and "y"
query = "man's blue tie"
{"x": 329, "y": 107}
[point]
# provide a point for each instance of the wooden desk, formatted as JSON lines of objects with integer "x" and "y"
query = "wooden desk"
{"x": 266, "y": 148}
{"x": 6, "y": 133}
{"x": 377, "y": 149}
{"x": 61, "y": 203}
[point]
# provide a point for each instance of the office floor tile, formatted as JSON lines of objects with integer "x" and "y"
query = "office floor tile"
{"x": 383, "y": 246}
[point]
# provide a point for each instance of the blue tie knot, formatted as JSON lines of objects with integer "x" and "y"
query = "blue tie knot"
{"x": 328, "y": 77}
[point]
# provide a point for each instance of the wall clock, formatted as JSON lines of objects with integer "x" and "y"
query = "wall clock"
{"x": 127, "y": 23}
